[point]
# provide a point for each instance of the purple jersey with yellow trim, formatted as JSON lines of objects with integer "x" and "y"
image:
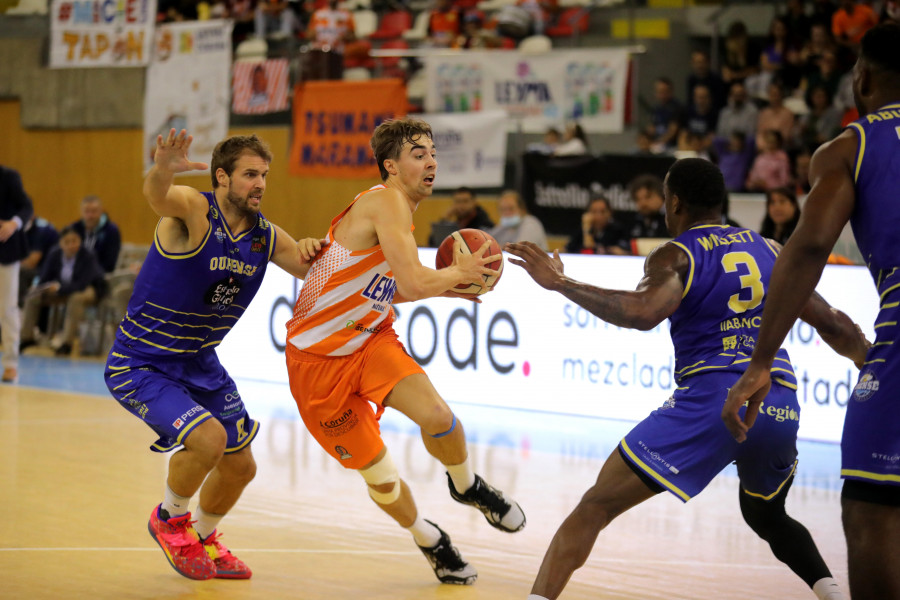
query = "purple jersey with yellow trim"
{"x": 717, "y": 323}
{"x": 184, "y": 303}
{"x": 870, "y": 445}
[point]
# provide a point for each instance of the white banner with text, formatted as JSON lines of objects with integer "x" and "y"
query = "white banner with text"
{"x": 537, "y": 90}
{"x": 530, "y": 349}
{"x": 471, "y": 149}
{"x": 101, "y": 33}
{"x": 189, "y": 86}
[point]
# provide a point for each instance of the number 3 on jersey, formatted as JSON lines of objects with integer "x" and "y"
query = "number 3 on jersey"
{"x": 752, "y": 280}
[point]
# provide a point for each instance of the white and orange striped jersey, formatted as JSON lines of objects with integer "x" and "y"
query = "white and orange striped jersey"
{"x": 345, "y": 299}
{"x": 330, "y": 27}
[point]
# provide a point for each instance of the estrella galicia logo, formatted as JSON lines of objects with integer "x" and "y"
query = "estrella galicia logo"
{"x": 258, "y": 244}
{"x": 342, "y": 452}
{"x": 213, "y": 212}
{"x": 866, "y": 387}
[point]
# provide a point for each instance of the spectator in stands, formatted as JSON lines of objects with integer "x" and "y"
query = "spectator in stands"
{"x": 819, "y": 42}
{"x": 822, "y": 122}
{"x": 274, "y": 19}
{"x": 331, "y": 27}
{"x": 702, "y": 116}
{"x": 549, "y": 144}
{"x": 241, "y": 12}
{"x": 667, "y": 114}
{"x": 735, "y": 155}
{"x": 42, "y": 238}
{"x": 702, "y": 74}
{"x": 516, "y": 225}
{"x": 851, "y": 21}
{"x": 801, "y": 172}
{"x": 644, "y": 144}
{"x": 741, "y": 55}
{"x": 773, "y": 60}
{"x": 798, "y": 22}
{"x": 98, "y": 233}
{"x": 740, "y": 114}
{"x": 890, "y": 13}
{"x": 599, "y": 233}
{"x": 826, "y": 75}
{"x": 782, "y": 215}
{"x": 574, "y": 141}
{"x": 775, "y": 116}
{"x": 771, "y": 167}
{"x": 72, "y": 276}
{"x": 650, "y": 218}
{"x": 444, "y": 24}
{"x": 465, "y": 213}
{"x": 474, "y": 36}
{"x": 694, "y": 145}
{"x": 542, "y": 12}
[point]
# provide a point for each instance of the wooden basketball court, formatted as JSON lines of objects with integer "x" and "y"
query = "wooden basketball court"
{"x": 78, "y": 482}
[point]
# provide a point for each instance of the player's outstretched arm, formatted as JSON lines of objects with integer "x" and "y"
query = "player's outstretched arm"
{"x": 169, "y": 158}
{"x": 837, "y": 329}
{"x": 656, "y": 297}
{"x": 392, "y": 220}
{"x": 295, "y": 257}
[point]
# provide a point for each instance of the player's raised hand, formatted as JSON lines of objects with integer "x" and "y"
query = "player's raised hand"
{"x": 474, "y": 265}
{"x": 547, "y": 271}
{"x": 309, "y": 248}
{"x": 750, "y": 389}
{"x": 171, "y": 154}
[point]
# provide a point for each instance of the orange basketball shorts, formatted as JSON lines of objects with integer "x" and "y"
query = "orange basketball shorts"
{"x": 335, "y": 394}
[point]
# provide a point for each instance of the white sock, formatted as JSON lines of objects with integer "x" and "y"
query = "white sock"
{"x": 827, "y": 589}
{"x": 462, "y": 476}
{"x": 174, "y": 504}
{"x": 425, "y": 534}
{"x": 536, "y": 597}
{"x": 206, "y": 523}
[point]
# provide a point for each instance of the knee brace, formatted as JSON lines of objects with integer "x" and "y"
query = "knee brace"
{"x": 383, "y": 472}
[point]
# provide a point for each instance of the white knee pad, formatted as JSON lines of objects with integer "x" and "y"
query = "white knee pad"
{"x": 382, "y": 472}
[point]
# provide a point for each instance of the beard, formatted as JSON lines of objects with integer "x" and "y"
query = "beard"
{"x": 241, "y": 204}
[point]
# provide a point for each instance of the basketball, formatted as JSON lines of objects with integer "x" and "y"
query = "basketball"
{"x": 470, "y": 241}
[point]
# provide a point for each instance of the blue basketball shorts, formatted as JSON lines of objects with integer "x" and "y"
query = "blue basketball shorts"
{"x": 173, "y": 397}
{"x": 684, "y": 444}
{"x": 870, "y": 445}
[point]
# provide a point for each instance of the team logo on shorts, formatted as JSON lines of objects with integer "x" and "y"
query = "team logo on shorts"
{"x": 866, "y": 388}
{"x": 178, "y": 424}
{"x": 342, "y": 452}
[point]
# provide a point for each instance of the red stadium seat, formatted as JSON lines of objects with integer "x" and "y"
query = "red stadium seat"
{"x": 391, "y": 66}
{"x": 392, "y": 25}
{"x": 571, "y": 20}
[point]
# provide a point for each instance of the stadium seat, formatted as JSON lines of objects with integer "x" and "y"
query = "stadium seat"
{"x": 366, "y": 22}
{"x": 392, "y": 25}
{"x": 571, "y": 21}
{"x": 536, "y": 44}
{"x": 252, "y": 49}
{"x": 392, "y": 66}
{"x": 419, "y": 30}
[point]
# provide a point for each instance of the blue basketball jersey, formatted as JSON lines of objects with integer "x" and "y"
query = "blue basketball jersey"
{"x": 870, "y": 445}
{"x": 876, "y": 217}
{"x": 716, "y": 326}
{"x": 184, "y": 303}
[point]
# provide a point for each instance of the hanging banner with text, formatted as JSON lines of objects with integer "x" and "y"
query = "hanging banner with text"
{"x": 333, "y": 122}
{"x": 260, "y": 87}
{"x": 530, "y": 349}
{"x": 101, "y": 33}
{"x": 188, "y": 86}
{"x": 557, "y": 189}
{"x": 538, "y": 91}
{"x": 471, "y": 148}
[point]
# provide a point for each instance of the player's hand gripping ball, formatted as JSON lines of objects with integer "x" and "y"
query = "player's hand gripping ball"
{"x": 470, "y": 241}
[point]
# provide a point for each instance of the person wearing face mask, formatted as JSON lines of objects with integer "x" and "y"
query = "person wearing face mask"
{"x": 516, "y": 225}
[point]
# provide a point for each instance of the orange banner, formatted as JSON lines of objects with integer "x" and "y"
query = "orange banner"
{"x": 333, "y": 121}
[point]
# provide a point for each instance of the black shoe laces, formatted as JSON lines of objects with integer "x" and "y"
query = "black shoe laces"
{"x": 490, "y": 498}
{"x": 446, "y": 556}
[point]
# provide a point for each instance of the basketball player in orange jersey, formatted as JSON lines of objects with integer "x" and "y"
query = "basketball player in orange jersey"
{"x": 343, "y": 354}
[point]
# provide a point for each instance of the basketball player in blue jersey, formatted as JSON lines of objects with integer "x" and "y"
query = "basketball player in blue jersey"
{"x": 855, "y": 177}
{"x": 710, "y": 282}
{"x": 207, "y": 261}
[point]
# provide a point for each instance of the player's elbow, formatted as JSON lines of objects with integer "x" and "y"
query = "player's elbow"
{"x": 412, "y": 290}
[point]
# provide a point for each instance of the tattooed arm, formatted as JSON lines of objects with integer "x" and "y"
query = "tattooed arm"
{"x": 656, "y": 297}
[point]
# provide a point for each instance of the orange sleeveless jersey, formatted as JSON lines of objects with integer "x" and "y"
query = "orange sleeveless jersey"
{"x": 345, "y": 299}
